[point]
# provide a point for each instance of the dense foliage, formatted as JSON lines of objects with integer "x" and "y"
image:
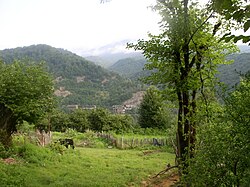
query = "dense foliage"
{"x": 223, "y": 148}
{"x": 234, "y": 15}
{"x": 153, "y": 111}
{"x": 98, "y": 120}
{"x": 26, "y": 93}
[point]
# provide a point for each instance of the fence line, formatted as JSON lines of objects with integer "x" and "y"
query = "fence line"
{"x": 124, "y": 143}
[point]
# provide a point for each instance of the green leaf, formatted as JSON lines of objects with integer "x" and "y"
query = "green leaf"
{"x": 246, "y": 39}
{"x": 246, "y": 25}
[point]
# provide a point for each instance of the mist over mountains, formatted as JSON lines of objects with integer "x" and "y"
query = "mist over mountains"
{"x": 106, "y": 56}
{"x": 244, "y": 48}
{"x": 106, "y": 60}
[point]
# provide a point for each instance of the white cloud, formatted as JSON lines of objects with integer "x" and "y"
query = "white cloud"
{"x": 74, "y": 24}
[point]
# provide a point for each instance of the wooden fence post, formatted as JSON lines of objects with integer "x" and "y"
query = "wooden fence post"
{"x": 122, "y": 142}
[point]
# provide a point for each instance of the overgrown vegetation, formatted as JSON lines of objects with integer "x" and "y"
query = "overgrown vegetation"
{"x": 26, "y": 93}
{"x": 26, "y": 164}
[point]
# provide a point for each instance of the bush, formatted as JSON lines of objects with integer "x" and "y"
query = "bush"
{"x": 223, "y": 147}
{"x": 5, "y": 152}
{"x": 57, "y": 147}
{"x": 70, "y": 133}
{"x": 89, "y": 139}
{"x": 25, "y": 127}
{"x": 30, "y": 152}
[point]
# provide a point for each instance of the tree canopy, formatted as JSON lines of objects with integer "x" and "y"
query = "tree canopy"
{"x": 153, "y": 112}
{"x": 234, "y": 15}
{"x": 26, "y": 93}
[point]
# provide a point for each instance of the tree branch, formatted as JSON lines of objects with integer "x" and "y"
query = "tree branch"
{"x": 191, "y": 37}
{"x": 165, "y": 170}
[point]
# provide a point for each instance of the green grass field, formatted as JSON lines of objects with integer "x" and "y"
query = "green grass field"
{"x": 82, "y": 167}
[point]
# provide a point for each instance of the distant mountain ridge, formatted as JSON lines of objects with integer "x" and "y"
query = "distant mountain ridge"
{"x": 78, "y": 81}
{"x": 109, "y": 59}
{"x": 229, "y": 74}
{"x": 129, "y": 66}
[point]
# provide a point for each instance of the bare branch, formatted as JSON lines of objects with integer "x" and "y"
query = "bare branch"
{"x": 165, "y": 170}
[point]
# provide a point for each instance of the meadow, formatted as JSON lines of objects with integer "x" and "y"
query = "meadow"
{"x": 32, "y": 165}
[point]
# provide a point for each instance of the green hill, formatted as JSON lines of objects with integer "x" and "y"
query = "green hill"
{"x": 81, "y": 82}
{"x": 230, "y": 74}
{"x": 128, "y": 66}
{"x": 78, "y": 81}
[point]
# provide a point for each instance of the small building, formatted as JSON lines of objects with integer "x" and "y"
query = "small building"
{"x": 118, "y": 109}
{"x": 72, "y": 107}
{"x": 89, "y": 107}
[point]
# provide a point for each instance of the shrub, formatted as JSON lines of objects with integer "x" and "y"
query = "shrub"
{"x": 5, "y": 152}
{"x": 70, "y": 133}
{"x": 57, "y": 147}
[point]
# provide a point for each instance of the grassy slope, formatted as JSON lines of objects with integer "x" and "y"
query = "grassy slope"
{"x": 85, "y": 167}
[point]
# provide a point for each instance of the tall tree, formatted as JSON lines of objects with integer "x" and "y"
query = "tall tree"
{"x": 26, "y": 93}
{"x": 151, "y": 110}
{"x": 185, "y": 57}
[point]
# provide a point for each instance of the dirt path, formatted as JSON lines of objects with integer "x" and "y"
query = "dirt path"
{"x": 164, "y": 181}
{"x": 169, "y": 181}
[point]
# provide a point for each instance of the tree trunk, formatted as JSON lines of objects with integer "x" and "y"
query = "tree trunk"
{"x": 186, "y": 127}
{"x": 193, "y": 125}
{"x": 7, "y": 125}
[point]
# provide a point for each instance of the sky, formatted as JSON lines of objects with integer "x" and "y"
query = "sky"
{"x": 75, "y": 25}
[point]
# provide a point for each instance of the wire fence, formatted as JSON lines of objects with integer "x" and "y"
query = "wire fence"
{"x": 125, "y": 143}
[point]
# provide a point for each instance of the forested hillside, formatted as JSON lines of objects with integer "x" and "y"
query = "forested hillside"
{"x": 128, "y": 66}
{"x": 77, "y": 80}
{"x": 230, "y": 74}
{"x": 81, "y": 82}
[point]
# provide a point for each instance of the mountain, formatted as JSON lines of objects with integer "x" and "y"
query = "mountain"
{"x": 107, "y": 55}
{"x": 77, "y": 80}
{"x": 99, "y": 61}
{"x": 129, "y": 66}
{"x": 81, "y": 82}
{"x": 109, "y": 59}
{"x": 230, "y": 74}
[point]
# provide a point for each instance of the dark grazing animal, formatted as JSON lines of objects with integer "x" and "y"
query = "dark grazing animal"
{"x": 67, "y": 142}
{"x": 155, "y": 142}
